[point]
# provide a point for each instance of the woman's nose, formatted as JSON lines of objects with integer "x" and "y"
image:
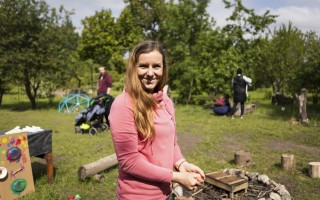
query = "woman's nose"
{"x": 150, "y": 71}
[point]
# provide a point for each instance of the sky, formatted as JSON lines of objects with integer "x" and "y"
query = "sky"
{"x": 303, "y": 14}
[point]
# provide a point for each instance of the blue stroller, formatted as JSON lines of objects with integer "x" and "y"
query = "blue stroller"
{"x": 91, "y": 120}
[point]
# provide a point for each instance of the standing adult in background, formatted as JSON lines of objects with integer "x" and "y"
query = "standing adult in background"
{"x": 104, "y": 82}
{"x": 240, "y": 84}
{"x": 143, "y": 128}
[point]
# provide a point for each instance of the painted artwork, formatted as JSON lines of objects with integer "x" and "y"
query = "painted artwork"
{"x": 16, "y": 179}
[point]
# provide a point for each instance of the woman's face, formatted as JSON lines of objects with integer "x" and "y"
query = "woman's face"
{"x": 150, "y": 70}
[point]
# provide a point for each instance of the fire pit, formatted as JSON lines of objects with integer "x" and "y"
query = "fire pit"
{"x": 236, "y": 184}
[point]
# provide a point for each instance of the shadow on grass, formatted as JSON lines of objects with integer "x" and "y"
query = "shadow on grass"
{"x": 39, "y": 169}
{"x": 278, "y": 166}
{"x": 25, "y": 106}
{"x": 305, "y": 171}
{"x": 232, "y": 162}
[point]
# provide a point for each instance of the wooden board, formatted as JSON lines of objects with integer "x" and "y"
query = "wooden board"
{"x": 17, "y": 179}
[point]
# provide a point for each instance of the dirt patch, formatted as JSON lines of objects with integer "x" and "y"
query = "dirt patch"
{"x": 188, "y": 141}
{"x": 287, "y": 146}
{"x": 229, "y": 144}
{"x": 233, "y": 142}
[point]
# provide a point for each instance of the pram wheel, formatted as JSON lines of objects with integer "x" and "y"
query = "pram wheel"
{"x": 77, "y": 129}
{"x": 104, "y": 126}
{"x": 93, "y": 131}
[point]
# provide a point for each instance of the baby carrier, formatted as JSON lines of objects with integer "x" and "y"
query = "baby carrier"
{"x": 91, "y": 120}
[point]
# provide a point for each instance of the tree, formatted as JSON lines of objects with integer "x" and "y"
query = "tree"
{"x": 148, "y": 15}
{"x": 308, "y": 74}
{"x": 129, "y": 34}
{"x": 35, "y": 41}
{"x": 59, "y": 42}
{"x": 100, "y": 42}
{"x": 20, "y": 29}
{"x": 184, "y": 25}
{"x": 280, "y": 57}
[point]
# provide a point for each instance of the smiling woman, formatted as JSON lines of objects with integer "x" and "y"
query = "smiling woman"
{"x": 142, "y": 125}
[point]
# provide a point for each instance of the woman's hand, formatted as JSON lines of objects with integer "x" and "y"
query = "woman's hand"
{"x": 188, "y": 167}
{"x": 188, "y": 180}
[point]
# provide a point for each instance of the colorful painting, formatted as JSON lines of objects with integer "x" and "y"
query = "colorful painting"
{"x": 16, "y": 179}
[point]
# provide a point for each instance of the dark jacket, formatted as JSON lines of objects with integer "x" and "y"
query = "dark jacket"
{"x": 239, "y": 89}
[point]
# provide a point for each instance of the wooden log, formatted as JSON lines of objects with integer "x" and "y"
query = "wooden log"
{"x": 95, "y": 167}
{"x": 98, "y": 177}
{"x": 314, "y": 169}
{"x": 247, "y": 109}
{"x": 287, "y": 161}
{"x": 242, "y": 158}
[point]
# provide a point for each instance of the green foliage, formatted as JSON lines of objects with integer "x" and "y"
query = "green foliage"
{"x": 308, "y": 74}
{"x": 38, "y": 44}
{"x": 35, "y": 43}
{"x": 98, "y": 40}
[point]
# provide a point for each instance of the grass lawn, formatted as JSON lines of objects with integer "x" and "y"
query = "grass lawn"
{"x": 205, "y": 139}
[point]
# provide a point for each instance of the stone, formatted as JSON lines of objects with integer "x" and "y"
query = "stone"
{"x": 274, "y": 196}
{"x": 264, "y": 179}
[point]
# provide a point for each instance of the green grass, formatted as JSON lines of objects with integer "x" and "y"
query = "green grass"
{"x": 208, "y": 141}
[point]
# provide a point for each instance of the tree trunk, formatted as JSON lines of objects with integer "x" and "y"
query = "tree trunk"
{"x": 314, "y": 169}
{"x": 31, "y": 97}
{"x": 1, "y": 95}
{"x": 303, "y": 105}
{"x": 242, "y": 158}
{"x": 97, "y": 166}
{"x": 190, "y": 91}
{"x": 287, "y": 161}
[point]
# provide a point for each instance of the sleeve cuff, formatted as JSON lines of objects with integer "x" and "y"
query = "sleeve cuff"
{"x": 178, "y": 163}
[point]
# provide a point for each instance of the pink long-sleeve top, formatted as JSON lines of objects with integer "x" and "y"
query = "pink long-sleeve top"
{"x": 145, "y": 167}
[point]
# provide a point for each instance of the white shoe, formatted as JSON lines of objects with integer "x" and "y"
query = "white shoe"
{"x": 232, "y": 117}
{"x": 241, "y": 117}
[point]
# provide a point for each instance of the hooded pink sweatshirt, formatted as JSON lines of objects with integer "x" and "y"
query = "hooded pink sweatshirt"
{"x": 145, "y": 167}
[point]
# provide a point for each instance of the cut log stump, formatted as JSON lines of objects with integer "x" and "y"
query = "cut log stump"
{"x": 314, "y": 169}
{"x": 242, "y": 158}
{"x": 99, "y": 178}
{"x": 95, "y": 167}
{"x": 287, "y": 161}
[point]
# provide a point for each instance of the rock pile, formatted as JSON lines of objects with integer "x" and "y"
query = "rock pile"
{"x": 261, "y": 187}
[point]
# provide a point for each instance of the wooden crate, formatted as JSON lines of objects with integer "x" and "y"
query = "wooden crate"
{"x": 230, "y": 183}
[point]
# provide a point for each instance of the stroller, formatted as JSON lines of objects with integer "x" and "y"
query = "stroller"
{"x": 91, "y": 120}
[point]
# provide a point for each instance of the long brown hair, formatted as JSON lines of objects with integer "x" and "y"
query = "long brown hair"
{"x": 143, "y": 102}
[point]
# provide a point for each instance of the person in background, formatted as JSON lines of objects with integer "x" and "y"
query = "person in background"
{"x": 143, "y": 129}
{"x": 104, "y": 82}
{"x": 240, "y": 91}
{"x": 222, "y": 105}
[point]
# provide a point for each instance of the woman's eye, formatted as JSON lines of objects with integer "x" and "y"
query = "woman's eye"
{"x": 143, "y": 66}
{"x": 156, "y": 66}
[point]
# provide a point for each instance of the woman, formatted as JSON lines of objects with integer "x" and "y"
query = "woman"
{"x": 222, "y": 105}
{"x": 142, "y": 125}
